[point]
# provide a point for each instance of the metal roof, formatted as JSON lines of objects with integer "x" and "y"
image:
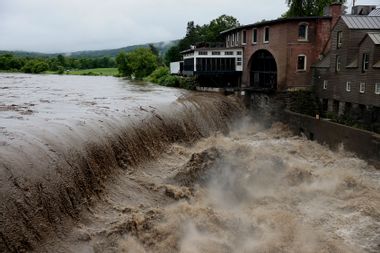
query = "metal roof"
{"x": 323, "y": 63}
{"x": 375, "y": 37}
{"x": 362, "y": 22}
{"x": 375, "y": 12}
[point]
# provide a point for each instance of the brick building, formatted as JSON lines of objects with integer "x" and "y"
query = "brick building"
{"x": 277, "y": 54}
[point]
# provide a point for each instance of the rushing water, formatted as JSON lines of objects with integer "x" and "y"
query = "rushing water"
{"x": 149, "y": 169}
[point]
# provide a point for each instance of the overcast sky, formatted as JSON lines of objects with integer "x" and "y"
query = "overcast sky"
{"x": 72, "y": 25}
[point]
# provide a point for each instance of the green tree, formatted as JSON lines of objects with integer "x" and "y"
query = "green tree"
{"x": 172, "y": 55}
{"x": 138, "y": 63}
{"x": 35, "y": 66}
{"x": 142, "y": 62}
{"x": 303, "y": 8}
{"x": 218, "y": 25}
{"x": 198, "y": 34}
{"x": 122, "y": 64}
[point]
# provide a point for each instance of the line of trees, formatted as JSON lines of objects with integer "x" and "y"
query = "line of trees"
{"x": 304, "y": 8}
{"x": 197, "y": 34}
{"x": 147, "y": 63}
{"x": 60, "y": 63}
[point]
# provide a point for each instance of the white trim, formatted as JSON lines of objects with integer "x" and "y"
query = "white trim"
{"x": 242, "y": 37}
{"x": 362, "y": 87}
{"x": 339, "y": 39}
{"x": 265, "y": 33}
{"x": 304, "y": 64}
{"x": 338, "y": 66}
{"x": 377, "y": 88}
{"x": 348, "y": 86}
{"x": 257, "y": 36}
{"x": 306, "y": 31}
{"x": 325, "y": 83}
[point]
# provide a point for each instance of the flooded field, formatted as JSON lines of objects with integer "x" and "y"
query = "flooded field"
{"x": 91, "y": 164}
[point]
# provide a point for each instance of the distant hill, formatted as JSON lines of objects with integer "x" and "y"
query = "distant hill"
{"x": 162, "y": 47}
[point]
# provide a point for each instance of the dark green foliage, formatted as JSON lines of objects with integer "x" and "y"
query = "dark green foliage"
{"x": 304, "y": 102}
{"x": 303, "y": 8}
{"x": 198, "y": 34}
{"x": 173, "y": 55}
{"x": 59, "y": 63}
{"x": 163, "y": 77}
{"x": 138, "y": 64}
{"x": 368, "y": 119}
{"x": 35, "y": 66}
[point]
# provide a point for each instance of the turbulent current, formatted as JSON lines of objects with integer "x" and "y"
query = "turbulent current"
{"x": 92, "y": 164}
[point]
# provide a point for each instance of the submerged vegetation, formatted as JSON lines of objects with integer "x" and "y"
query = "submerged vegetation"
{"x": 52, "y": 64}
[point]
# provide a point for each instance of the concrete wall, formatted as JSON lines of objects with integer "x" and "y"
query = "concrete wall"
{"x": 365, "y": 144}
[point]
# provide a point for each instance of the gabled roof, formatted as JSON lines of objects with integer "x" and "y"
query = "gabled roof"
{"x": 376, "y": 65}
{"x": 375, "y": 12}
{"x": 362, "y": 22}
{"x": 375, "y": 37}
{"x": 324, "y": 62}
{"x": 353, "y": 64}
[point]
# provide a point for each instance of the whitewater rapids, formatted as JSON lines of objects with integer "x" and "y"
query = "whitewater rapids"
{"x": 192, "y": 177}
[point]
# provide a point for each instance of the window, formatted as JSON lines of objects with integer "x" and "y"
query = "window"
{"x": 229, "y": 53}
{"x": 239, "y": 53}
{"x": 301, "y": 63}
{"x": 215, "y": 53}
{"x": 244, "y": 38}
{"x": 365, "y": 62}
{"x": 377, "y": 88}
{"x": 237, "y": 39}
{"x": 337, "y": 64}
{"x": 339, "y": 39}
{"x": 266, "y": 34}
{"x": 325, "y": 82}
{"x": 233, "y": 40}
{"x": 303, "y": 32}
{"x": 254, "y": 36}
{"x": 348, "y": 86}
{"x": 202, "y": 53}
{"x": 362, "y": 88}
{"x": 228, "y": 41}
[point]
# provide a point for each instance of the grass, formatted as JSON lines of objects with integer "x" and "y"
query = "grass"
{"x": 95, "y": 72}
{"x": 83, "y": 72}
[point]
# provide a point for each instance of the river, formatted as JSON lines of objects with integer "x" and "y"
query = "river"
{"x": 99, "y": 164}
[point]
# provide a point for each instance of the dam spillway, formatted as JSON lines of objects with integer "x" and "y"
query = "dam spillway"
{"x": 99, "y": 164}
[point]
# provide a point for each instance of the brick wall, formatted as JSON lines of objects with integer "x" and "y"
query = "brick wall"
{"x": 285, "y": 47}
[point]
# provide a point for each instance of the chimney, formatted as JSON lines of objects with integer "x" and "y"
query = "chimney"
{"x": 362, "y": 9}
{"x": 335, "y": 11}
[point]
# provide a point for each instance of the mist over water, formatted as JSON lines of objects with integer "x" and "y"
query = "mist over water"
{"x": 189, "y": 174}
{"x": 254, "y": 190}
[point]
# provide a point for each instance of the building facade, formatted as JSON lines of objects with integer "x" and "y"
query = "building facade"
{"x": 278, "y": 54}
{"x": 347, "y": 80}
{"x": 214, "y": 67}
{"x": 272, "y": 55}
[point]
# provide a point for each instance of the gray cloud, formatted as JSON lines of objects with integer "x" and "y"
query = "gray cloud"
{"x": 70, "y": 25}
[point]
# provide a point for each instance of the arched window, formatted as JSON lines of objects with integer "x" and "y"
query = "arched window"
{"x": 303, "y": 31}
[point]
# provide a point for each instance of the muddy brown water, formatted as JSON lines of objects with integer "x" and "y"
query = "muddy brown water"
{"x": 93, "y": 164}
